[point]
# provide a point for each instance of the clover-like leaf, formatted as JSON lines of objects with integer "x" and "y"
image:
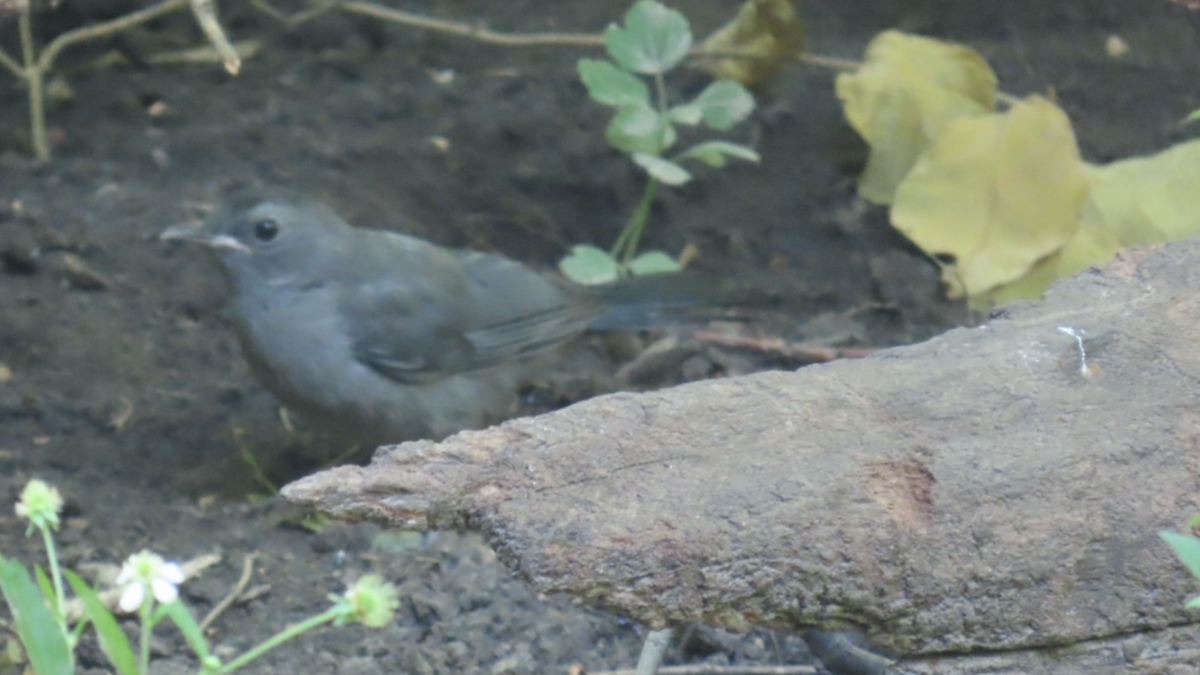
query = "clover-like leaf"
{"x": 639, "y": 128}
{"x": 724, "y": 103}
{"x": 1188, "y": 549}
{"x": 610, "y": 85}
{"x": 664, "y": 170}
{"x": 686, "y": 113}
{"x": 714, "y": 153}
{"x": 653, "y": 40}
{"x": 653, "y": 262}
{"x": 590, "y": 265}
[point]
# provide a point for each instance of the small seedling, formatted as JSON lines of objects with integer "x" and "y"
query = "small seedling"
{"x": 1187, "y": 548}
{"x": 148, "y": 587}
{"x": 653, "y": 41}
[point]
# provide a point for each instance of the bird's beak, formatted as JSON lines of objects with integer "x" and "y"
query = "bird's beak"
{"x": 195, "y": 233}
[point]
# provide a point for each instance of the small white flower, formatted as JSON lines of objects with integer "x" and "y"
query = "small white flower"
{"x": 148, "y": 570}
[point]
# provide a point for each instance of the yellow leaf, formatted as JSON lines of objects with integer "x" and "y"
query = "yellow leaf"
{"x": 1090, "y": 246}
{"x": 1146, "y": 200}
{"x": 770, "y": 30}
{"x": 999, "y": 193}
{"x": 898, "y": 101}
{"x": 1041, "y": 275}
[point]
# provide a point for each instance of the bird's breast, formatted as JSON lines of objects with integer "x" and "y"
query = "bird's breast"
{"x": 299, "y": 347}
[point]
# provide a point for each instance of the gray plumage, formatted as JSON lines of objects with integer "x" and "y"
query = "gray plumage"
{"x": 378, "y": 337}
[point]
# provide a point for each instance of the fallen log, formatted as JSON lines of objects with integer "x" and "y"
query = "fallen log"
{"x": 986, "y": 501}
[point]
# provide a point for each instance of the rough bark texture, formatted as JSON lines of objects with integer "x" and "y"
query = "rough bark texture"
{"x": 987, "y": 501}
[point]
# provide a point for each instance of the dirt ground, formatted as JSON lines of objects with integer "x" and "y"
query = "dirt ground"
{"x": 122, "y": 384}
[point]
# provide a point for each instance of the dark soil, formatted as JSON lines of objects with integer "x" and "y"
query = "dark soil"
{"x": 122, "y": 385}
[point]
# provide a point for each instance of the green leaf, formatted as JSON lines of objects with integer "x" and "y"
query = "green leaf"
{"x": 610, "y": 85}
{"x": 664, "y": 170}
{"x": 687, "y": 113}
{"x": 639, "y": 128}
{"x": 653, "y": 40}
{"x": 653, "y": 262}
{"x": 724, "y": 103}
{"x": 398, "y": 541}
{"x": 40, "y": 633}
{"x": 113, "y": 641}
{"x": 187, "y": 625}
{"x": 589, "y": 265}
{"x": 713, "y": 153}
{"x": 1186, "y": 547}
{"x": 44, "y": 583}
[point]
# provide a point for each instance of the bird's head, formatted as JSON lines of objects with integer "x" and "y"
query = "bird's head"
{"x": 271, "y": 240}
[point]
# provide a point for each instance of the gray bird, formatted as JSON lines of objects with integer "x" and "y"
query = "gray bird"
{"x": 376, "y": 337}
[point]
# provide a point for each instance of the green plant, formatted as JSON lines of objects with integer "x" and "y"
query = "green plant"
{"x": 1187, "y": 548}
{"x": 148, "y": 586}
{"x": 653, "y": 41}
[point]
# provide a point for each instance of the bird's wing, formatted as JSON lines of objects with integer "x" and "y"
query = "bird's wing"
{"x": 516, "y": 312}
{"x": 410, "y": 331}
{"x": 454, "y": 312}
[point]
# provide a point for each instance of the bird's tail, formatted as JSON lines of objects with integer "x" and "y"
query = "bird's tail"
{"x": 656, "y": 300}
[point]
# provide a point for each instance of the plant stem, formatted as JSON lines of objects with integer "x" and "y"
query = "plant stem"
{"x": 60, "y": 603}
{"x": 626, "y": 246}
{"x": 50, "y": 53}
{"x": 33, "y": 75}
{"x": 631, "y": 237}
{"x": 471, "y": 30}
{"x": 12, "y": 64}
{"x": 35, "y": 67}
{"x": 145, "y": 616}
{"x": 660, "y": 98}
{"x": 279, "y": 638}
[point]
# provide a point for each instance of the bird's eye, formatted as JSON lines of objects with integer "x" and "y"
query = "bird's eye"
{"x": 266, "y": 230}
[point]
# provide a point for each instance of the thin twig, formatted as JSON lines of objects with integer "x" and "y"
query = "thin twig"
{"x": 830, "y": 62}
{"x": 33, "y": 75}
{"x": 100, "y": 29}
{"x": 293, "y": 20}
{"x": 205, "y": 12}
{"x": 12, "y": 64}
{"x": 204, "y": 54}
{"x": 233, "y": 595}
{"x": 489, "y": 36}
{"x": 1008, "y": 99}
{"x": 478, "y": 33}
